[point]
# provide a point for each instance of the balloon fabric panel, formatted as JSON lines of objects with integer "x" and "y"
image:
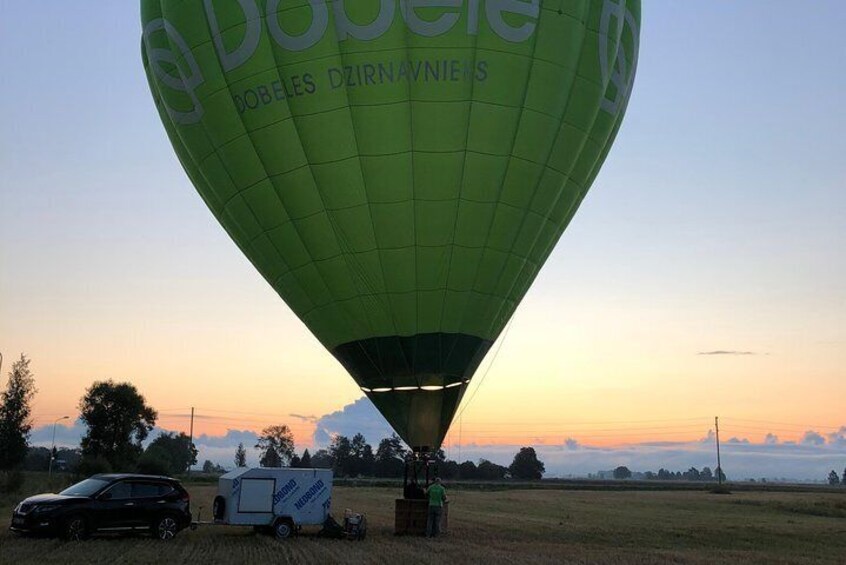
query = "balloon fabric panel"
{"x": 398, "y": 171}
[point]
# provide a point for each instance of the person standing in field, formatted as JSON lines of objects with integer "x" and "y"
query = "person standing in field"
{"x": 437, "y": 498}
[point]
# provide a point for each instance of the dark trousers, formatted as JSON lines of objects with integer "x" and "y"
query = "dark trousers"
{"x": 433, "y": 524}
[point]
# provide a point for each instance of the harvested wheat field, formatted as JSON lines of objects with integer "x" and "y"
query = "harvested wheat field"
{"x": 518, "y": 526}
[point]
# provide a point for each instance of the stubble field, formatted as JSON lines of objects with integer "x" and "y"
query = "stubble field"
{"x": 518, "y": 526}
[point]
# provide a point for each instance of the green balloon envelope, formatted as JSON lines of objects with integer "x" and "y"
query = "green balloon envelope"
{"x": 398, "y": 171}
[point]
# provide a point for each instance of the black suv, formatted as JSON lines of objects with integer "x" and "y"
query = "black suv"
{"x": 107, "y": 503}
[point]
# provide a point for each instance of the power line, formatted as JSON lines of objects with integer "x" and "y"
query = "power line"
{"x": 806, "y": 426}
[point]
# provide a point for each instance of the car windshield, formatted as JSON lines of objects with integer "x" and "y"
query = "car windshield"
{"x": 85, "y": 488}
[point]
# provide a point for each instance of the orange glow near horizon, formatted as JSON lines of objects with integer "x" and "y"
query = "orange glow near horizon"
{"x": 602, "y": 376}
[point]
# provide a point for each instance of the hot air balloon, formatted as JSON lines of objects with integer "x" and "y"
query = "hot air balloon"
{"x": 397, "y": 170}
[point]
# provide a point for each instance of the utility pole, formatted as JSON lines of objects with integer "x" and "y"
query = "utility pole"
{"x": 719, "y": 466}
{"x": 191, "y": 442}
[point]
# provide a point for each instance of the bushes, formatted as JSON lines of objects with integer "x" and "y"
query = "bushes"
{"x": 11, "y": 481}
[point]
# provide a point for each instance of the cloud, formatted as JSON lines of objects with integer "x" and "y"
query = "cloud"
{"x": 809, "y": 459}
{"x": 359, "y": 417}
{"x": 838, "y": 438}
{"x": 230, "y": 439}
{"x": 812, "y": 438}
{"x": 741, "y": 459}
{"x": 309, "y": 419}
{"x": 66, "y": 436}
{"x": 726, "y": 352}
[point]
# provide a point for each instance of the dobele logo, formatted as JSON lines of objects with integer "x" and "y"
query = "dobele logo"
{"x": 622, "y": 74}
{"x": 176, "y": 68}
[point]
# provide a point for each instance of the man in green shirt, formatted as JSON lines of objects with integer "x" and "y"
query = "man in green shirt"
{"x": 437, "y": 498}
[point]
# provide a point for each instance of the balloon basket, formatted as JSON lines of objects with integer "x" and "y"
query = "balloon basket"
{"x": 411, "y": 515}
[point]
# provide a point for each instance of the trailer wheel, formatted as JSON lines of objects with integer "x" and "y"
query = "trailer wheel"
{"x": 219, "y": 507}
{"x": 283, "y": 528}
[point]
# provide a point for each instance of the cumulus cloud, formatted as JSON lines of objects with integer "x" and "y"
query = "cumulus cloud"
{"x": 66, "y": 436}
{"x": 838, "y": 438}
{"x": 359, "y": 417}
{"x": 771, "y": 439}
{"x": 812, "y": 438}
{"x": 726, "y": 352}
{"x": 230, "y": 439}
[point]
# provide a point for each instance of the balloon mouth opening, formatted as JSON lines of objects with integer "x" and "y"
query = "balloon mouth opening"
{"x": 425, "y": 388}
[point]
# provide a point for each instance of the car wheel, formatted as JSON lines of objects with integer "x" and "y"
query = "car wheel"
{"x": 166, "y": 528}
{"x": 75, "y": 529}
{"x": 283, "y": 529}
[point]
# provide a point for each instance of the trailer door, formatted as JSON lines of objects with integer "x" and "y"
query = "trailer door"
{"x": 256, "y": 496}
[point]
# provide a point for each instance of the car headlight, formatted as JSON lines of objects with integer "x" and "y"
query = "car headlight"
{"x": 45, "y": 508}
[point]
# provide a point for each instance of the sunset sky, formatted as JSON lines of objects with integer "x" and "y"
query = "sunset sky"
{"x": 704, "y": 275}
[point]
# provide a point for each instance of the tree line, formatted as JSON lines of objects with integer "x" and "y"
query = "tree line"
{"x": 833, "y": 480}
{"x": 693, "y": 474}
{"x": 355, "y": 457}
{"x": 118, "y": 422}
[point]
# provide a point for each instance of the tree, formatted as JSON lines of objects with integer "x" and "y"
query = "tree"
{"x": 118, "y": 420}
{"x": 15, "y": 410}
{"x": 720, "y": 475}
{"x": 622, "y": 472}
{"x": 155, "y": 461}
{"x": 489, "y": 471}
{"x": 240, "y": 456}
{"x": 833, "y": 479}
{"x": 448, "y": 469}
{"x": 390, "y": 457}
{"x": 305, "y": 460}
{"x": 212, "y": 469}
{"x": 295, "y": 461}
{"x": 270, "y": 458}
{"x": 706, "y": 474}
{"x": 843, "y": 480}
{"x": 362, "y": 457}
{"x": 277, "y": 446}
{"x": 467, "y": 470}
{"x": 692, "y": 474}
{"x": 321, "y": 459}
{"x": 340, "y": 450}
{"x": 526, "y": 465}
{"x": 177, "y": 450}
{"x": 37, "y": 459}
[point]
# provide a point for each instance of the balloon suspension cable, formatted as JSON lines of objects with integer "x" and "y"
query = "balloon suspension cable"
{"x": 421, "y": 469}
{"x": 487, "y": 370}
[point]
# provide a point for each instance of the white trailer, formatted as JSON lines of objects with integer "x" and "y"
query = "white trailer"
{"x": 279, "y": 498}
